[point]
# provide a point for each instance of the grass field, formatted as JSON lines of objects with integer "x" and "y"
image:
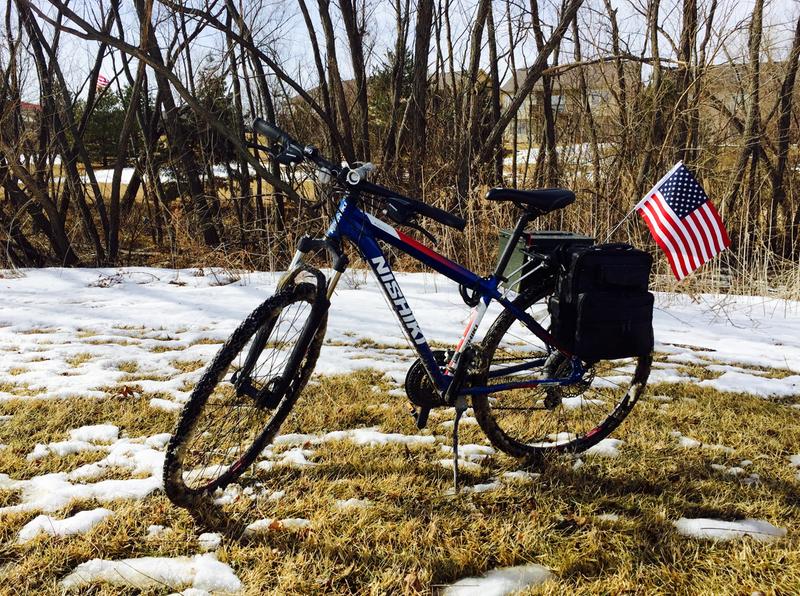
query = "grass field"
{"x": 601, "y": 527}
{"x": 381, "y": 519}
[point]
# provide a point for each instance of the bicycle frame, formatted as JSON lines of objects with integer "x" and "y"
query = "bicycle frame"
{"x": 364, "y": 231}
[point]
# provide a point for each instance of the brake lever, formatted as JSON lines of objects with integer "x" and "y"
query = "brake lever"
{"x": 404, "y": 218}
{"x": 423, "y": 231}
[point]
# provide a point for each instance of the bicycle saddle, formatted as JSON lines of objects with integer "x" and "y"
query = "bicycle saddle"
{"x": 542, "y": 199}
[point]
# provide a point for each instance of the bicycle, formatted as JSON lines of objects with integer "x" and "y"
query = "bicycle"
{"x": 530, "y": 395}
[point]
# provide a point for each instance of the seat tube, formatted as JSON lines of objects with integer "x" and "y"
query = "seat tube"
{"x": 505, "y": 257}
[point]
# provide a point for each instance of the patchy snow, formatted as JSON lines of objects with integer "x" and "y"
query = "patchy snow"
{"x": 366, "y": 437}
{"x": 71, "y": 331}
{"x": 714, "y": 529}
{"x": 794, "y": 461}
{"x": 61, "y": 448}
{"x": 609, "y": 517}
{"x": 80, "y": 523}
{"x": 475, "y": 488}
{"x": 231, "y": 493}
{"x": 156, "y": 531}
{"x": 499, "y": 582}
{"x": 520, "y": 476}
{"x": 470, "y": 451}
{"x": 209, "y": 541}
{"x": 98, "y": 433}
{"x": 203, "y": 572}
{"x": 51, "y": 492}
{"x": 352, "y": 504}
{"x": 463, "y": 465}
{"x": 159, "y": 403}
{"x": 731, "y": 470}
{"x": 754, "y": 384}
{"x": 465, "y": 420}
{"x": 606, "y": 448}
{"x": 690, "y": 443}
{"x": 269, "y": 524}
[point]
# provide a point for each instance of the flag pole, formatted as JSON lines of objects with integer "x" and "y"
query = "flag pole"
{"x": 619, "y": 223}
{"x": 656, "y": 185}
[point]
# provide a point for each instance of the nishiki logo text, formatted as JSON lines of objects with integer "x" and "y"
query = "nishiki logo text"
{"x": 398, "y": 300}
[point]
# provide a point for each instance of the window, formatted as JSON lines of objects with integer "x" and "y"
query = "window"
{"x": 558, "y": 102}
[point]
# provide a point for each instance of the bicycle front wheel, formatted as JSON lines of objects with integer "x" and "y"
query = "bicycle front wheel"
{"x": 539, "y": 420}
{"x": 245, "y": 394}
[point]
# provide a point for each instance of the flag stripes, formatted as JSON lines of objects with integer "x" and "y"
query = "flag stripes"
{"x": 684, "y": 223}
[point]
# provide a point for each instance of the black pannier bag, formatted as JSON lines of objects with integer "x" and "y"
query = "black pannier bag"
{"x": 601, "y": 308}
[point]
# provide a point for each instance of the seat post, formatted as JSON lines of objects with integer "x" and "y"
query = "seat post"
{"x": 511, "y": 245}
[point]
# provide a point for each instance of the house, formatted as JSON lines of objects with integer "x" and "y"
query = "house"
{"x": 30, "y": 112}
{"x": 566, "y": 98}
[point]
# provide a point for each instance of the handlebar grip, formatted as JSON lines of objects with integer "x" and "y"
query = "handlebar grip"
{"x": 440, "y": 215}
{"x": 269, "y": 130}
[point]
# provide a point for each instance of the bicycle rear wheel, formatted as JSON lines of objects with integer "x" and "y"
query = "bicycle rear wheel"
{"x": 533, "y": 422}
{"x": 246, "y": 393}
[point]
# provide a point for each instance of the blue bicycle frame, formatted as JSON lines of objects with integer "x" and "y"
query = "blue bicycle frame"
{"x": 364, "y": 231}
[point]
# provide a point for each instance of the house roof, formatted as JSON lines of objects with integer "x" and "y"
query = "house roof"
{"x": 29, "y": 107}
{"x": 601, "y": 75}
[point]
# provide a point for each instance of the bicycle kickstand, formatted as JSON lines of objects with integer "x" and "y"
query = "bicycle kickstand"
{"x": 458, "y": 400}
{"x": 460, "y": 409}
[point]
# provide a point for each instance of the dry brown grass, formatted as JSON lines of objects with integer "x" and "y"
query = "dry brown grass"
{"x": 415, "y": 537}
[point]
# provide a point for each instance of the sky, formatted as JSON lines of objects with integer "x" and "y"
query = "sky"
{"x": 282, "y": 23}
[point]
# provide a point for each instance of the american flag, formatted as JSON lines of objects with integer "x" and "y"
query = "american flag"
{"x": 102, "y": 82}
{"x": 683, "y": 221}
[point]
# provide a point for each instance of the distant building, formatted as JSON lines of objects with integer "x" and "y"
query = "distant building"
{"x": 566, "y": 98}
{"x": 30, "y": 112}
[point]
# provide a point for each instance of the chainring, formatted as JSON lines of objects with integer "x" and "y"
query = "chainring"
{"x": 419, "y": 388}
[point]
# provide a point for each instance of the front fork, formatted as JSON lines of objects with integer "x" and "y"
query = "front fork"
{"x": 242, "y": 377}
{"x": 306, "y": 244}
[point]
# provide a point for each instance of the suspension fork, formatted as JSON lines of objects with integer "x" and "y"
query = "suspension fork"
{"x": 307, "y": 244}
{"x": 304, "y": 246}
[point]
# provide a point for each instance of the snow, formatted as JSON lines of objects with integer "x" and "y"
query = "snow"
{"x": 520, "y": 476}
{"x": 203, "y": 572}
{"x": 475, "y": 488}
{"x": 80, "y": 523}
{"x": 156, "y": 531}
{"x": 754, "y": 384}
{"x": 605, "y": 448}
{"x": 209, "y": 541}
{"x": 159, "y": 403}
{"x": 500, "y": 582}
{"x": 470, "y": 451}
{"x": 794, "y": 461}
{"x": 95, "y": 433}
{"x": 690, "y": 443}
{"x": 269, "y": 524}
{"x": 61, "y": 448}
{"x": 111, "y": 316}
{"x": 714, "y": 529}
{"x": 51, "y": 492}
{"x": 352, "y": 504}
{"x": 364, "y": 437}
{"x": 465, "y": 420}
{"x": 463, "y": 465}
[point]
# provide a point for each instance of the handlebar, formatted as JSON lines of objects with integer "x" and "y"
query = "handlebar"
{"x": 354, "y": 178}
{"x": 273, "y": 132}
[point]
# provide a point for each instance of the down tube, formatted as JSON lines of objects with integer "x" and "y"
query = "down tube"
{"x": 373, "y": 254}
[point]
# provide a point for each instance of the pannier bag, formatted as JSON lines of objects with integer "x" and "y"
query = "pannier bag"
{"x": 601, "y": 308}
